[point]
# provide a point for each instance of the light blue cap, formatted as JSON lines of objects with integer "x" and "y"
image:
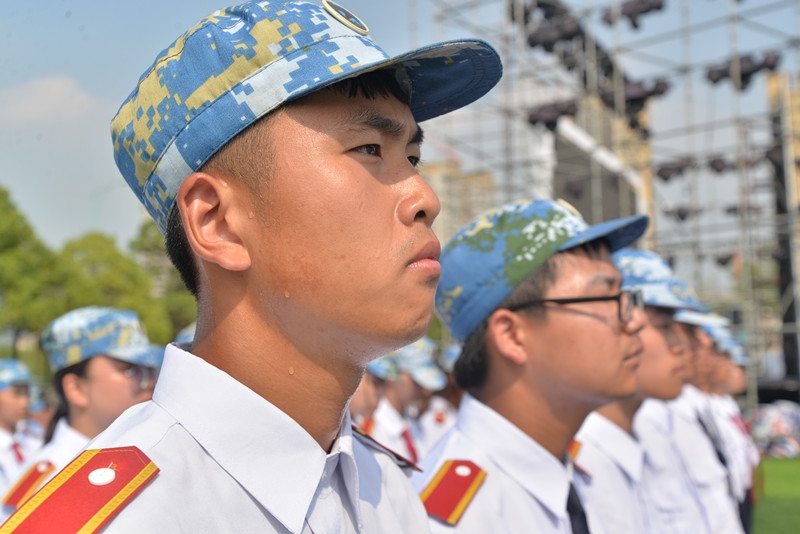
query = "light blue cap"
{"x": 186, "y": 335}
{"x": 417, "y": 359}
{"x": 242, "y": 62}
{"x": 384, "y": 367}
{"x": 85, "y": 332}
{"x": 487, "y": 259}
{"x": 14, "y": 372}
{"x": 701, "y": 319}
{"x": 645, "y": 270}
{"x": 450, "y": 354}
{"x": 725, "y": 341}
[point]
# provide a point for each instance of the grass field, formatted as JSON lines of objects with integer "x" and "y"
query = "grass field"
{"x": 778, "y": 507}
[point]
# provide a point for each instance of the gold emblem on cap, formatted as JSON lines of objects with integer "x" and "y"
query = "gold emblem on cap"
{"x": 345, "y": 17}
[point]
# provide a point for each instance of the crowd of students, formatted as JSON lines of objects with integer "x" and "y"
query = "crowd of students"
{"x": 276, "y": 146}
{"x": 644, "y": 436}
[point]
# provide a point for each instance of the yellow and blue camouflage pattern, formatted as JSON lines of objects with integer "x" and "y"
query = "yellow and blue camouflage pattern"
{"x": 488, "y": 258}
{"x": 242, "y": 62}
{"x": 94, "y": 330}
{"x": 646, "y": 270}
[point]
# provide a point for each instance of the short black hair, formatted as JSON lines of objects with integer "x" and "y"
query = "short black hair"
{"x": 472, "y": 366}
{"x": 371, "y": 85}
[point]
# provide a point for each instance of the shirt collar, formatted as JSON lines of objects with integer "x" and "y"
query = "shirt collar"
{"x": 260, "y": 446}
{"x": 519, "y": 456}
{"x": 391, "y": 419}
{"x": 617, "y": 444}
{"x": 689, "y": 403}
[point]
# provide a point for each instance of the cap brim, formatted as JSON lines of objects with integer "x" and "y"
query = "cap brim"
{"x": 444, "y": 77}
{"x": 430, "y": 378}
{"x": 701, "y": 319}
{"x": 146, "y": 355}
{"x": 662, "y": 296}
{"x": 619, "y": 233}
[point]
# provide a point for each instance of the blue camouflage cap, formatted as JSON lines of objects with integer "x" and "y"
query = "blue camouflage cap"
{"x": 450, "y": 354}
{"x": 645, "y": 270}
{"x": 487, "y": 259}
{"x": 701, "y": 318}
{"x": 13, "y": 372}
{"x": 85, "y": 332}
{"x": 384, "y": 367}
{"x": 417, "y": 359}
{"x": 242, "y": 62}
{"x": 186, "y": 335}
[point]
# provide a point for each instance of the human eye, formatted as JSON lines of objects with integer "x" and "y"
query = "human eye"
{"x": 414, "y": 160}
{"x": 370, "y": 149}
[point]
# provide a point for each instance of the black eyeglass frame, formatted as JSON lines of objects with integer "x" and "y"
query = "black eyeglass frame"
{"x": 635, "y": 295}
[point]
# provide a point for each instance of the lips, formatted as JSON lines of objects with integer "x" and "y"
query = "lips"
{"x": 431, "y": 252}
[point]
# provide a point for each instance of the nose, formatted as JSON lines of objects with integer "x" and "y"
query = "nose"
{"x": 420, "y": 203}
{"x": 637, "y": 322}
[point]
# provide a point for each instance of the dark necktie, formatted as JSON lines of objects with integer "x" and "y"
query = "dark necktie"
{"x": 714, "y": 438}
{"x": 577, "y": 517}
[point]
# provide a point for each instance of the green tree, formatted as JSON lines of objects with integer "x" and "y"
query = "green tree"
{"x": 149, "y": 251}
{"x": 31, "y": 277}
{"x": 102, "y": 275}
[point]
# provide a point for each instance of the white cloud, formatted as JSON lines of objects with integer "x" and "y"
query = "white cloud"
{"x": 44, "y": 100}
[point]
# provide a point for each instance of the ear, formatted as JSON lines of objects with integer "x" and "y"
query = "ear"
{"x": 507, "y": 334}
{"x": 75, "y": 390}
{"x": 213, "y": 211}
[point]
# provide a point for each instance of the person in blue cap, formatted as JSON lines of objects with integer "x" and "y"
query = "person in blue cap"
{"x": 275, "y": 144}
{"x": 371, "y": 390}
{"x": 730, "y": 380}
{"x": 696, "y": 434}
{"x": 102, "y": 364}
{"x": 15, "y": 382}
{"x": 395, "y": 424}
{"x": 549, "y": 334}
{"x": 442, "y": 409}
{"x": 637, "y": 481}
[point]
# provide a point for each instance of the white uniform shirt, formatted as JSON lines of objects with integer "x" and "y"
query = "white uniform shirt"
{"x": 65, "y": 444}
{"x": 709, "y": 476}
{"x": 435, "y": 422}
{"x": 12, "y": 458}
{"x": 671, "y": 501}
{"x": 526, "y": 487}
{"x": 388, "y": 429}
{"x": 614, "y": 462}
{"x": 740, "y": 449}
{"x": 231, "y": 462}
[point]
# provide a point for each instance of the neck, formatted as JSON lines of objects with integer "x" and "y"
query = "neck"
{"x": 82, "y": 422}
{"x": 551, "y": 424}
{"x": 621, "y": 413}
{"x": 312, "y": 389}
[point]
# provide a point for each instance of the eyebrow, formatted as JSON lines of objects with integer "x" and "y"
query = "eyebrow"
{"x": 367, "y": 118}
{"x": 604, "y": 280}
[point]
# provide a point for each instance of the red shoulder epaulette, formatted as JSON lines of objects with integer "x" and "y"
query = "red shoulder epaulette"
{"x": 369, "y": 424}
{"x": 369, "y": 441}
{"x": 573, "y": 449}
{"x": 86, "y": 494}
{"x": 28, "y": 484}
{"x": 448, "y": 494}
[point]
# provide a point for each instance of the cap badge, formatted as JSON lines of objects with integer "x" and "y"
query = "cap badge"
{"x": 345, "y": 17}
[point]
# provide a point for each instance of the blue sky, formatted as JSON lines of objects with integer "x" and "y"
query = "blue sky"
{"x": 68, "y": 64}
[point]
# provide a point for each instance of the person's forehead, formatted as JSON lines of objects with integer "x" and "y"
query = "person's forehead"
{"x": 579, "y": 270}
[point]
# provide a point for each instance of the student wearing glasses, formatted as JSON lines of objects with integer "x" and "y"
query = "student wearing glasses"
{"x": 633, "y": 488}
{"x": 102, "y": 364}
{"x": 548, "y": 335}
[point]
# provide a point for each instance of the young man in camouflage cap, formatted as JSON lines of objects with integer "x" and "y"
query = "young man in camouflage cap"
{"x": 637, "y": 482}
{"x": 548, "y": 336}
{"x": 276, "y": 146}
